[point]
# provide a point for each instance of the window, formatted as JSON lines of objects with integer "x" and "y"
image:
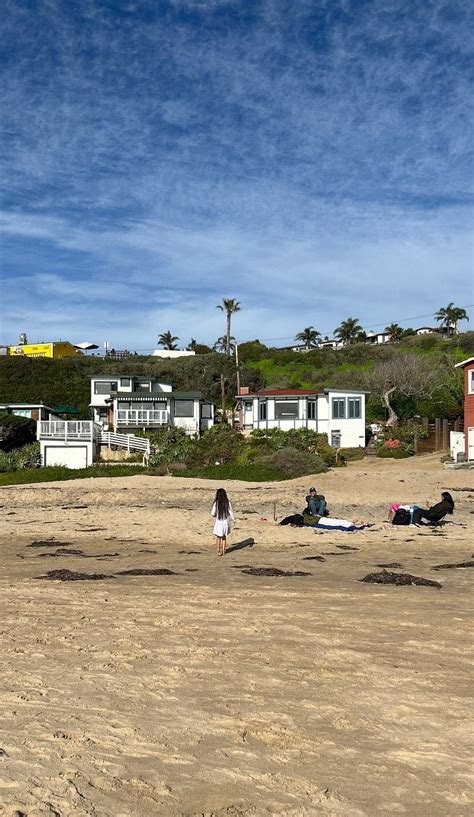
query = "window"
{"x": 206, "y": 411}
{"x": 311, "y": 409}
{"x": 248, "y": 405}
{"x": 470, "y": 380}
{"x": 105, "y": 386}
{"x": 262, "y": 411}
{"x": 338, "y": 408}
{"x": 21, "y": 412}
{"x": 123, "y": 405}
{"x": 286, "y": 410}
{"x": 354, "y": 408}
{"x": 184, "y": 408}
{"x": 125, "y": 382}
{"x": 142, "y": 386}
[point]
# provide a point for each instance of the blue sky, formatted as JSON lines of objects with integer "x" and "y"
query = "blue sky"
{"x": 310, "y": 158}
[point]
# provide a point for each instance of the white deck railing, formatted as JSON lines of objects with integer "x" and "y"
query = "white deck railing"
{"x": 145, "y": 417}
{"x": 67, "y": 430}
{"x": 128, "y": 441}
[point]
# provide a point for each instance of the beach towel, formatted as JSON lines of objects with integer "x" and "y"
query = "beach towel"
{"x": 328, "y": 523}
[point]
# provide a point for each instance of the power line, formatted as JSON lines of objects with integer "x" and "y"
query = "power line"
{"x": 374, "y": 326}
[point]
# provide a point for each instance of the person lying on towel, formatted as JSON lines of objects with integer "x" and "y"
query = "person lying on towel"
{"x": 330, "y": 523}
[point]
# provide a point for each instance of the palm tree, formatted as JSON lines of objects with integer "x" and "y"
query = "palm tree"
{"x": 309, "y": 336}
{"x": 167, "y": 340}
{"x": 395, "y": 331}
{"x": 349, "y": 331}
{"x": 223, "y": 343}
{"x": 449, "y": 316}
{"x": 229, "y": 306}
{"x": 191, "y": 347}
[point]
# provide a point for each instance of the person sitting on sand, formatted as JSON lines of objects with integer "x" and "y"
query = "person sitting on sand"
{"x": 396, "y": 506}
{"x": 315, "y": 504}
{"x": 436, "y": 512}
{"x": 224, "y": 516}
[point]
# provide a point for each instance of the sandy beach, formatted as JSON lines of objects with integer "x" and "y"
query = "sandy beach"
{"x": 210, "y": 692}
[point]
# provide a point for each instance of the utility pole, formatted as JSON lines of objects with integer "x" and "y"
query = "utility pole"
{"x": 237, "y": 369}
{"x": 224, "y": 413}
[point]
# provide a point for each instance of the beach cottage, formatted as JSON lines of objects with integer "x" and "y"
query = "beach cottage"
{"x": 468, "y": 367}
{"x": 126, "y": 403}
{"x": 338, "y": 413}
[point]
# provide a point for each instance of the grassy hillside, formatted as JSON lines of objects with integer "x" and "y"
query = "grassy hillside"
{"x": 58, "y": 382}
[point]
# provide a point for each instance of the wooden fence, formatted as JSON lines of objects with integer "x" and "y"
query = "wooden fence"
{"x": 438, "y": 434}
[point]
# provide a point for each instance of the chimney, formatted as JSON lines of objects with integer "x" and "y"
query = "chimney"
{"x": 244, "y": 390}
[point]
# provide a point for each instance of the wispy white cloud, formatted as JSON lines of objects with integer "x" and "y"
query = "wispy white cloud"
{"x": 311, "y": 159}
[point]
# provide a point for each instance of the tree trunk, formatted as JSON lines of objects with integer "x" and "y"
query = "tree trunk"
{"x": 227, "y": 350}
{"x": 392, "y": 417}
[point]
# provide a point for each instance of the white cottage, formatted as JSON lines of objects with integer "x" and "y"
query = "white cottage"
{"x": 339, "y": 413}
{"x": 127, "y": 403}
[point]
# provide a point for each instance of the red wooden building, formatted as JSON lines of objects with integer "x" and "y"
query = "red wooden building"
{"x": 468, "y": 367}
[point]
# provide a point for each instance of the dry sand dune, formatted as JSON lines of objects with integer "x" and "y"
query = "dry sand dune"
{"x": 212, "y": 692}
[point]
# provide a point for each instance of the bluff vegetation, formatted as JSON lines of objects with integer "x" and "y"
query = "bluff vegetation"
{"x": 433, "y": 389}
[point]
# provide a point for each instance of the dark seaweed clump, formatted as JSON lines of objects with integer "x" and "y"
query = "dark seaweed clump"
{"x": 391, "y": 564}
{"x": 385, "y": 577}
{"x": 70, "y": 576}
{"x": 47, "y": 543}
{"x": 147, "y": 571}
{"x": 314, "y": 559}
{"x": 273, "y": 571}
{"x": 458, "y": 564}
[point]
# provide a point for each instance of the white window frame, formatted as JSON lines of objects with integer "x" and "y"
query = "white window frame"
{"x": 338, "y": 416}
{"x": 262, "y": 411}
{"x": 354, "y": 401}
{"x": 470, "y": 381}
{"x": 312, "y": 409}
{"x": 177, "y": 404}
{"x": 279, "y": 415}
{"x": 110, "y": 383}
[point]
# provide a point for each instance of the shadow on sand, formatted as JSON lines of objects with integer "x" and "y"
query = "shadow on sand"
{"x": 245, "y": 543}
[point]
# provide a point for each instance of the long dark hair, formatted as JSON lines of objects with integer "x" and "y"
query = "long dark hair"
{"x": 222, "y": 504}
{"x": 448, "y": 498}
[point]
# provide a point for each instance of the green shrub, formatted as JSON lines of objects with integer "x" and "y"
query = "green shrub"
{"x": 20, "y": 458}
{"x": 16, "y": 432}
{"x": 252, "y": 472}
{"x": 172, "y": 444}
{"x": 293, "y": 462}
{"x": 219, "y": 444}
{"x": 55, "y": 473}
{"x": 350, "y": 454}
{"x": 393, "y": 453}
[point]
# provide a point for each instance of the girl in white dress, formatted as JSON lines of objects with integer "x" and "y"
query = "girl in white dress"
{"x": 224, "y": 516}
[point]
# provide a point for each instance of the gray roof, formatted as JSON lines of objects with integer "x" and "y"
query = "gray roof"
{"x": 346, "y": 391}
{"x": 157, "y": 395}
{"x": 140, "y": 378}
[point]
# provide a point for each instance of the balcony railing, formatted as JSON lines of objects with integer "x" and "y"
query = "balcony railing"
{"x": 67, "y": 430}
{"x": 145, "y": 417}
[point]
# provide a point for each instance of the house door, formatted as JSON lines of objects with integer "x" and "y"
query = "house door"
{"x": 470, "y": 444}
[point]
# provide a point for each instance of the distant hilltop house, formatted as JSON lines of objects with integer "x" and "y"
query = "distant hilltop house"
{"x": 171, "y": 354}
{"x": 371, "y": 339}
{"x": 128, "y": 403}
{"x": 339, "y": 413}
{"x": 51, "y": 349}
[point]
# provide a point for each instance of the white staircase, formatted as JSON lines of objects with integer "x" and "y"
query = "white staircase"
{"x": 127, "y": 441}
